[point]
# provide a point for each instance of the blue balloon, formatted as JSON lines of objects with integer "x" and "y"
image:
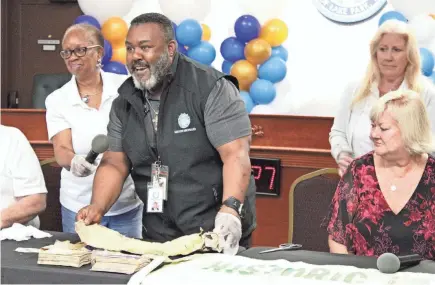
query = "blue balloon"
{"x": 115, "y": 67}
{"x": 205, "y": 53}
{"x": 226, "y": 66}
{"x": 182, "y": 49}
{"x": 107, "y": 52}
{"x": 262, "y": 91}
{"x": 249, "y": 103}
{"x": 232, "y": 49}
{"x": 86, "y": 19}
{"x": 392, "y": 15}
{"x": 427, "y": 61}
{"x": 281, "y": 52}
{"x": 273, "y": 70}
{"x": 189, "y": 33}
{"x": 247, "y": 28}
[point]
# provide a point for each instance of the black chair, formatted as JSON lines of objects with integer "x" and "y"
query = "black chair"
{"x": 309, "y": 200}
{"x": 44, "y": 84}
{"x": 51, "y": 218}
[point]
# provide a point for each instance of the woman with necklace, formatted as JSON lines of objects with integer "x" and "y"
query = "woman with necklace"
{"x": 385, "y": 201}
{"x": 394, "y": 65}
{"x": 76, "y": 113}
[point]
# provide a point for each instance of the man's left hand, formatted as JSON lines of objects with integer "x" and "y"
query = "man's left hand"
{"x": 229, "y": 228}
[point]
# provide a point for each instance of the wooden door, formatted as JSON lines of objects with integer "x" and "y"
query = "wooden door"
{"x": 24, "y": 22}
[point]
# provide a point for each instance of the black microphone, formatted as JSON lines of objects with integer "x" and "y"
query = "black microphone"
{"x": 99, "y": 145}
{"x": 391, "y": 263}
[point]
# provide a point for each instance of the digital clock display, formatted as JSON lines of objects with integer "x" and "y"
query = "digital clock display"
{"x": 266, "y": 173}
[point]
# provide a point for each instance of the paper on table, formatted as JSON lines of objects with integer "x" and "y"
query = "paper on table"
{"x": 27, "y": 249}
{"x": 64, "y": 253}
{"x": 138, "y": 277}
{"x": 19, "y": 232}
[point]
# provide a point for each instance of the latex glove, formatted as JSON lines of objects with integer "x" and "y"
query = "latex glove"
{"x": 80, "y": 167}
{"x": 229, "y": 229}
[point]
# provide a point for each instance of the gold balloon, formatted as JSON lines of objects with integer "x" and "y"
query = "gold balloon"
{"x": 257, "y": 51}
{"x": 274, "y": 31}
{"x": 206, "y": 32}
{"x": 245, "y": 72}
{"x": 433, "y": 16}
{"x": 115, "y": 31}
{"x": 119, "y": 54}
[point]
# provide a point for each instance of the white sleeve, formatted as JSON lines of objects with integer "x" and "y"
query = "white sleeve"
{"x": 56, "y": 121}
{"x": 429, "y": 101}
{"x": 338, "y": 134}
{"x": 24, "y": 167}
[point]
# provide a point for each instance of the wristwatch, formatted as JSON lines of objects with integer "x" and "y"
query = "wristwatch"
{"x": 236, "y": 205}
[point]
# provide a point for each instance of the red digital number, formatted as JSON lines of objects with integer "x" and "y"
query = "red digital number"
{"x": 272, "y": 178}
{"x": 258, "y": 175}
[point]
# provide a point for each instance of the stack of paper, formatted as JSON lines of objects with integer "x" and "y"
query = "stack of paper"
{"x": 110, "y": 261}
{"x": 65, "y": 254}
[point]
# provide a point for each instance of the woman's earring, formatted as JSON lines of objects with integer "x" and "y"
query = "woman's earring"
{"x": 99, "y": 64}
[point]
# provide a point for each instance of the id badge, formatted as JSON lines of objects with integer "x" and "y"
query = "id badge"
{"x": 159, "y": 175}
{"x": 155, "y": 198}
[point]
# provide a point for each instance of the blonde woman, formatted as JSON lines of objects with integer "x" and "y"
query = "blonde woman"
{"x": 394, "y": 64}
{"x": 385, "y": 201}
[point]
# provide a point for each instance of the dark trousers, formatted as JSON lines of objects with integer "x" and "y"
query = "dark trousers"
{"x": 246, "y": 241}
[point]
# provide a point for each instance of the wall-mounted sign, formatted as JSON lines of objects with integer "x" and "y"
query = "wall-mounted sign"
{"x": 349, "y": 11}
{"x": 48, "y": 44}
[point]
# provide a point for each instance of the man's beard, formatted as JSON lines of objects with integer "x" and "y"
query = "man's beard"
{"x": 157, "y": 73}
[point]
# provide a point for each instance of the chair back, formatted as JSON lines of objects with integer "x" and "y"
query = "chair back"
{"x": 44, "y": 84}
{"x": 309, "y": 200}
{"x": 51, "y": 218}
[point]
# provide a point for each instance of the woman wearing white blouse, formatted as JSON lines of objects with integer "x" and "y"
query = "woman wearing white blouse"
{"x": 394, "y": 64}
{"x": 76, "y": 113}
{"x": 22, "y": 185}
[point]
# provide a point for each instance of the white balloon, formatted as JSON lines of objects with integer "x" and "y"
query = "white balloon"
{"x": 179, "y": 10}
{"x": 431, "y": 46}
{"x": 263, "y": 109}
{"x": 413, "y": 8}
{"x": 104, "y": 9}
{"x": 141, "y": 7}
{"x": 264, "y": 10}
{"x": 424, "y": 29}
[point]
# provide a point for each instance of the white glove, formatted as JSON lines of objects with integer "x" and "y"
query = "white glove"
{"x": 229, "y": 229}
{"x": 80, "y": 167}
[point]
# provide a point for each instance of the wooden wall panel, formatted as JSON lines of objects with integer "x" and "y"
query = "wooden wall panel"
{"x": 300, "y": 142}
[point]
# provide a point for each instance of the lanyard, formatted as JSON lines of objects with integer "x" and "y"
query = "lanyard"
{"x": 155, "y": 118}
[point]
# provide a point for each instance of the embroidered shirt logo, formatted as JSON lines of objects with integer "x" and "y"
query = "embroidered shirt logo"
{"x": 183, "y": 120}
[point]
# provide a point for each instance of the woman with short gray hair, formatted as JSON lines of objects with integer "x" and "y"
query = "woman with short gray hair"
{"x": 385, "y": 201}
{"x": 76, "y": 113}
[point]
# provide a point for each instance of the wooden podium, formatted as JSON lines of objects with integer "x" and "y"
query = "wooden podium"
{"x": 301, "y": 144}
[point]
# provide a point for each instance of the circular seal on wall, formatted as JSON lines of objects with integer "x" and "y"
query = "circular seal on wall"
{"x": 349, "y": 11}
{"x": 183, "y": 120}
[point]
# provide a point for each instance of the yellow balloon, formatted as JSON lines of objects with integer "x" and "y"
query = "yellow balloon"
{"x": 115, "y": 31}
{"x": 206, "y": 32}
{"x": 245, "y": 72}
{"x": 433, "y": 16}
{"x": 119, "y": 54}
{"x": 274, "y": 31}
{"x": 257, "y": 51}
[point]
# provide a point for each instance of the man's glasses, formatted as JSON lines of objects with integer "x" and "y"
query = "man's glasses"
{"x": 79, "y": 51}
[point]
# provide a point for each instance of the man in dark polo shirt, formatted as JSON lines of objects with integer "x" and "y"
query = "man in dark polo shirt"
{"x": 180, "y": 129}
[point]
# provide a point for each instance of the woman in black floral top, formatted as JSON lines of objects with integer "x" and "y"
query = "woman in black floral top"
{"x": 385, "y": 202}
